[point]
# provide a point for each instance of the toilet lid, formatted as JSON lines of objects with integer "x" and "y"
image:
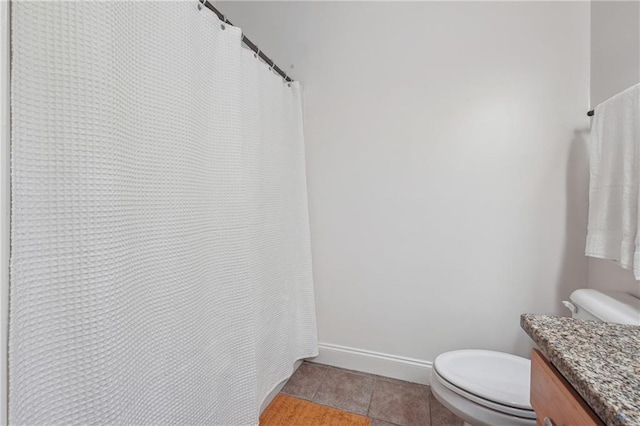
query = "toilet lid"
{"x": 495, "y": 376}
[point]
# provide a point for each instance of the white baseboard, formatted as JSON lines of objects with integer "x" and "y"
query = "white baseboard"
{"x": 397, "y": 367}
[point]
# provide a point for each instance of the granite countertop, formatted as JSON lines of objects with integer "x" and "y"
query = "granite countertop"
{"x": 600, "y": 360}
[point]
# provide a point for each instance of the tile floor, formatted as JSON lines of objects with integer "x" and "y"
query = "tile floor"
{"x": 388, "y": 402}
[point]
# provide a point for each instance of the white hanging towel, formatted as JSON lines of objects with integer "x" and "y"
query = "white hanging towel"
{"x": 614, "y": 188}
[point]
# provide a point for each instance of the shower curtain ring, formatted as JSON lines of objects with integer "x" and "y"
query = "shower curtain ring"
{"x": 257, "y": 53}
{"x": 201, "y": 3}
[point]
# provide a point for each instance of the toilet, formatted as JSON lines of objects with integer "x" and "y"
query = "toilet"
{"x": 488, "y": 388}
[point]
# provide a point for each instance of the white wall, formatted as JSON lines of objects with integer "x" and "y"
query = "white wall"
{"x": 447, "y": 184}
{"x": 615, "y": 65}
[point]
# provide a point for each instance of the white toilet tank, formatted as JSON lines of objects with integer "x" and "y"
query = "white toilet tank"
{"x": 604, "y": 306}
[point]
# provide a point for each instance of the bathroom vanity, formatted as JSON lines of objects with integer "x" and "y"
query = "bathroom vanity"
{"x": 585, "y": 373}
{"x": 554, "y": 399}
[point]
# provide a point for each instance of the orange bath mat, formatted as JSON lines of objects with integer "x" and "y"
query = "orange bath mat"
{"x": 289, "y": 411}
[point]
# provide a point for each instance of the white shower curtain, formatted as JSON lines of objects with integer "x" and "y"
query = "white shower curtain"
{"x": 161, "y": 267}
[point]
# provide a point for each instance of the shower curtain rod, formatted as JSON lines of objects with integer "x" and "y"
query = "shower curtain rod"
{"x": 251, "y": 45}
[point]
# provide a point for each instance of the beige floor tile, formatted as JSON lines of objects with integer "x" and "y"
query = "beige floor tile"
{"x": 346, "y": 391}
{"x": 440, "y": 415}
{"x": 401, "y": 403}
{"x": 305, "y": 381}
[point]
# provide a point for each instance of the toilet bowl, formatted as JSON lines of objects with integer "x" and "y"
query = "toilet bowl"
{"x": 488, "y": 388}
{"x": 484, "y": 388}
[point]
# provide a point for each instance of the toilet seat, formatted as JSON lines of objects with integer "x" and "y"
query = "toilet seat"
{"x": 495, "y": 380}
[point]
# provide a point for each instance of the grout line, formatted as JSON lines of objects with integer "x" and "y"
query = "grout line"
{"x": 325, "y": 404}
{"x": 295, "y": 396}
{"x": 375, "y": 379}
{"x": 324, "y": 376}
{"x": 387, "y": 421}
{"x": 346, "y": 370}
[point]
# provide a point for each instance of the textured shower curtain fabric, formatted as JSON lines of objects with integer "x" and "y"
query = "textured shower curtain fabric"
{"x": 161, "y": 267}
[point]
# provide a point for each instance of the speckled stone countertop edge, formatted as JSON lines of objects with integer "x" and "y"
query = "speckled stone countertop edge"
{"x": 596, "y": 400}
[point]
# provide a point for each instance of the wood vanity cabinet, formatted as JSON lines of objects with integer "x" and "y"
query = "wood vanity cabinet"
{"x": 554, "y": 400}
